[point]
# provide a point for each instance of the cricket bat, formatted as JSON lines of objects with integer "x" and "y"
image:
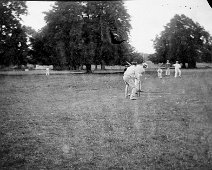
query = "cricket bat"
{"x": 128, "y": 63}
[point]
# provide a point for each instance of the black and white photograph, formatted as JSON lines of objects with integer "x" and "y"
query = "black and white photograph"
{"x": 106, "y": 85}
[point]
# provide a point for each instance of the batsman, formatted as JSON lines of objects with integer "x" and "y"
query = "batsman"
{"x": 132, "y": 78}
{"x": 139, "y": 71}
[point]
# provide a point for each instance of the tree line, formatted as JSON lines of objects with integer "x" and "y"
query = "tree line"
{"x": 13, "y": 38}
{"x": 81, "y": 33}
{"x": 184, "y": 40}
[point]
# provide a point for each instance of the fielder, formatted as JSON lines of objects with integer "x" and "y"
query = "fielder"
{"x": 167, "y": 68}
{"x": 177, "y": 69}
{"x": 47, "y": 71}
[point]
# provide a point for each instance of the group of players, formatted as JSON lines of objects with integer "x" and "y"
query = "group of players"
{"x": 133, "y": 73}
{"x": 177, "y": 67}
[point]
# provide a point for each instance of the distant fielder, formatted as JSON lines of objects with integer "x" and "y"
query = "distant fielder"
{"x": 47, "y": 71}
{"x": 167, "y": 68}
{"x": 177, "y": 70}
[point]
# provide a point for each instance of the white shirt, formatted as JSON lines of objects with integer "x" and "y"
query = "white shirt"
{"x": 177, "y": 66}
{"x": 130, "y": 71}
{"x": 139, "y": 70}
{"x": 159, "y": 70}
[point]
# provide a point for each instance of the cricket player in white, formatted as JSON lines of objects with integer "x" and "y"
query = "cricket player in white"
{"x": 139, "y": 70}
{"x": 177, "y": 69}
{"x": 160, "y": 71}
{"x": 167, "y": 68}
{"x": 47, "y": 71}
{"x": 129, "y": 79}
{"x": 132, "y": 78}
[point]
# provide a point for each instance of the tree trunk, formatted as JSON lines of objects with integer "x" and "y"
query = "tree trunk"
{"x": 81, "y": 67}
{"x": 192, "y": 64}
{"x": 103, "y": 65}
{"x": 88, "y": 68}
{"x": 183, "y": 65}
{"x": 61, "y": 52}
{"x": 74, "y": 67}
{"x": 78, "y": 67}
{"x": 95, "y": 66}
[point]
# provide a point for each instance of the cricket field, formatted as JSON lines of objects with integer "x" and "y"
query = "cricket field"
{"x": 83, "y": 122}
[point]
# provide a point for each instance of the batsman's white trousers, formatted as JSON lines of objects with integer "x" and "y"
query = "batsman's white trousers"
{"x": 138, "y": 84}
{"x": 130, "y": 82}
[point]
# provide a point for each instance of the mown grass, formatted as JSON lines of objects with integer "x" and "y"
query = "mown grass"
{"x": 83, "y": 121}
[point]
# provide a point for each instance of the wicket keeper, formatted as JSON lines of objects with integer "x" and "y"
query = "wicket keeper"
{"x": 160, "y": 71}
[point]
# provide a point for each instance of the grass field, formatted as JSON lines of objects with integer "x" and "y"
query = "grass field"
{"x": 83, "y": 122}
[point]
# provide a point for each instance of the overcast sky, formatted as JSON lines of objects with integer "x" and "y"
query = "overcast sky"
{"x": 148, "y": 17}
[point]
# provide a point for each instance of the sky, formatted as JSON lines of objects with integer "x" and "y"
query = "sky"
{"x": 148, "y": 17}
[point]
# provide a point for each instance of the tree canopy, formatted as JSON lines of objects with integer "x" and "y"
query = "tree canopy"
{"x": 13, "y": 39}
{"x": 183, "y": 40}
{"x": 78, "y": 33}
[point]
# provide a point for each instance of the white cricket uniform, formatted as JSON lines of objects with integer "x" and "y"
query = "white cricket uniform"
{"x": 177, "y": 69}
{"x": 168, "y": 69}
{"x": 129, "y": 77}
{"x": 160, "y": 71}
{"x": 139, "y": 70}
{"x": 47, "y": 71}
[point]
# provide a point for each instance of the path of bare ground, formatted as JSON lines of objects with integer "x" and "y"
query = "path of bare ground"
{"x": 84, "y": 122}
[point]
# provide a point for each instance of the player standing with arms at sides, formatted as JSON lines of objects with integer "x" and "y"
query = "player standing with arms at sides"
{"x": 167, "y": 68}
{"x": 47, "y": 71}
{"x": 177, "y": 70}
{"x": 129, "y": 79}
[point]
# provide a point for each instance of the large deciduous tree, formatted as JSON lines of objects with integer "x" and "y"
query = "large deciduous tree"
{"x": 13, "y": 41}
{"x": 64, "y": 32}
{"x": 182, "y": 40}
{"x": 109, "y": 17}
{"x": 79, "y": 33}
